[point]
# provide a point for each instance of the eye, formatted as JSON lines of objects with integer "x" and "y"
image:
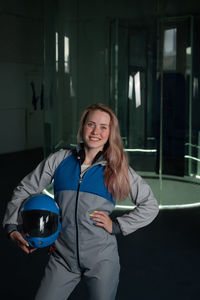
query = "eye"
{"x": 90, "y": 124}
{"x": 104, "y": 127}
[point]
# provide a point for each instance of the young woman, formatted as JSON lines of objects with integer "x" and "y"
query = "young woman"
{"x": 88, "y": 181}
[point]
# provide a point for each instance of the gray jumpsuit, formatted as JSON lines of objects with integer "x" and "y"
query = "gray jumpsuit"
{"x": 83, "y": 250}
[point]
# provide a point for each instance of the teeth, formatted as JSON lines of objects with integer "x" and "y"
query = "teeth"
{"x": 94, "y": 139}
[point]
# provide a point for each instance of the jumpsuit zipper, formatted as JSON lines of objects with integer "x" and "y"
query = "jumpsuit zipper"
{"x": 76, "y": 211}
{"x": 77, "y": 234}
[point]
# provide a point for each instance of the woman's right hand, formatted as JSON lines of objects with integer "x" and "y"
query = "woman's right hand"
{"x": 18, "y": 239}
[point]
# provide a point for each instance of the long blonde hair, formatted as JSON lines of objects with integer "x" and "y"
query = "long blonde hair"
{"x": 116, "y": 171}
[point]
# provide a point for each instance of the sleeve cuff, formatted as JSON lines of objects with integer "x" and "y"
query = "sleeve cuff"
{"x": 115, "y": 227}
{"x": 10, "y": 227}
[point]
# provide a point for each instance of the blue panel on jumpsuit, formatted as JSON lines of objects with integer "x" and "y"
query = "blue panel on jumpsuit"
{"x": 93, "y": 182}
{"x": 67, "y": 178}
{"x": 67, "y": 174}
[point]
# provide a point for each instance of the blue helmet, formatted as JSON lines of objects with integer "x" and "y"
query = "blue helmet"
{"x": 40, "y": 220}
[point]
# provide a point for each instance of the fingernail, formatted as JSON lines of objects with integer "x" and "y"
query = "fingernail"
{"x": 94, "y": 223}
{"x": 27, "y": 244}
{"x": 91, "y": 218}
{"x": 91, "y": 215}
{"x": 95, "y": 211}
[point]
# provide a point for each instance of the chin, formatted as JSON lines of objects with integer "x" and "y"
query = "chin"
{"x": 94, "y": 146}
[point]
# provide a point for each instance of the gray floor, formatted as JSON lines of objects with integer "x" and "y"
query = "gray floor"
{"x": 161, "y": 261}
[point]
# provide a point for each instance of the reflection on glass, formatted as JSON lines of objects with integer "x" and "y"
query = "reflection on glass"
{"x": 169, "y": 49}
{"x": 130, "y": 87}
{"x": 195, "y": 87}
{"x": 198, "y": 163}
{"x": 188, "y": 50}
{"x": 72, "y": 93}
{"x": 188, "y": 60}
{"x": 56, "y": 46}
{"x": 41, "y": 224}
{"x": 66, "y": 54}
{"x": 137, "y": 89}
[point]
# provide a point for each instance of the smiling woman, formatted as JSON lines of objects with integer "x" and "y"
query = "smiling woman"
{"x": 88, "y": 181}
{"x": 106, "y": 135}
{"x": 96, "y": 132}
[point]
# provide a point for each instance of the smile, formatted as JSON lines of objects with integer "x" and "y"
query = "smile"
{"x": 95, "y": 139}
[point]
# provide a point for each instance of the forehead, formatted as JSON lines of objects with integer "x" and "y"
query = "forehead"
{"x": 98, "y": 116}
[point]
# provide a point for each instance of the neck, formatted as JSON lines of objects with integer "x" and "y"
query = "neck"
{"x": 90, "y": 155}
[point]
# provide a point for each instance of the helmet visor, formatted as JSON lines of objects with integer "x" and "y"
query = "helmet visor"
{"x": 39, "y": 223}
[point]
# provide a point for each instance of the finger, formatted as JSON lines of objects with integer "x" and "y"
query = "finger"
{"x": 23, "y": 241}
{"x": 18, "y": 238}
{"x": 20, "y": 241}
{"x": 99, "y": 212}
{"x": 24, "y": 248}
{"x": 32, "y": 250}
{"x": 99, "y": 216}
{"x": 27, "y": 249}
{"x": 99, "y": 219}
{"x": 95, "y": 221}
{"x": 99, "y": 224}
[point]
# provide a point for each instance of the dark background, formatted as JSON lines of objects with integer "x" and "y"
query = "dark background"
{"x": 158, "y": 262}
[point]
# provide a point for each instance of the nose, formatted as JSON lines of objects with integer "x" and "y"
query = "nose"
{"x": 95, "y": 130}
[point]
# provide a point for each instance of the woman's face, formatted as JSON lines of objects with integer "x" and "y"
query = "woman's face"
{"x": 96, "y": 130}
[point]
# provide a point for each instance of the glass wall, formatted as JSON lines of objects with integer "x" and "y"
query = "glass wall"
{"x": 147, "y": 69}
{"x": 60, "y": 74}
{"x": 155, "y": 93}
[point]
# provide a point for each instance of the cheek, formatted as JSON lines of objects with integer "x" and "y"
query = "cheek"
{"x": 106, "y": 135}
{"x": 84, "y": 133}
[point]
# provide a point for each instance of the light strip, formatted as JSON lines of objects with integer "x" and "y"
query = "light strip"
{"x": 162, "y": 207}
{"x": 137, "y": 89}
{"x": 192, "y": 145}
{"x": 154, "y": 150}
{"x": 140, "y": 150}
{"x": 191, "y": 157}
{"x": 48, "y": 194}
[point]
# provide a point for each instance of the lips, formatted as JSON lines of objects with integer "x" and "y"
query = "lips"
{"x": 94, "y": 139}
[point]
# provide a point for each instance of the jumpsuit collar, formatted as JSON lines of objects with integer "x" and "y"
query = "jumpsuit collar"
{"x": 80, "y": 154}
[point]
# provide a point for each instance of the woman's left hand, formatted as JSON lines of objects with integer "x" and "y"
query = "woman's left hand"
{"x": 101, "y": 219}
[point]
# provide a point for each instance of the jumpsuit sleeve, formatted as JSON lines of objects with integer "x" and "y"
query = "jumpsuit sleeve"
{"x": 33, "y": 183}
{"x": 115, "y": 227}
{"x": 146, "y": 206}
